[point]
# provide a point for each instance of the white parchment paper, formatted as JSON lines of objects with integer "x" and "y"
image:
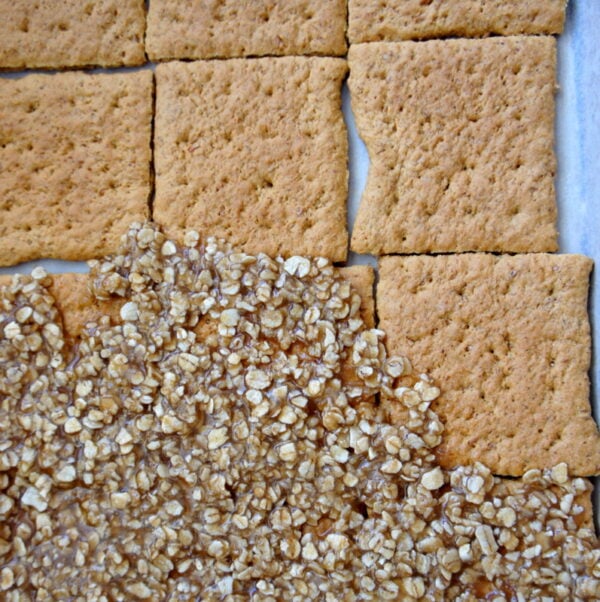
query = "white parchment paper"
{"x": 578, "y": 150}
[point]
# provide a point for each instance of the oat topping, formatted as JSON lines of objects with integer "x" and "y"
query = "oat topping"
{"x": 226, "y": 442}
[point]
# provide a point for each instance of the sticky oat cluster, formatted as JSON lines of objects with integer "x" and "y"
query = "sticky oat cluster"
{"x": 228, "y": 439}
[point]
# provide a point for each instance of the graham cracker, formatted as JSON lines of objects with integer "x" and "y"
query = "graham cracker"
{"x": 254, "y": 151}
{"x": 78, "y": 306}
{"x": 75, "y": 302}
{"x": 200, "y": 30}
{"x": 56, "y": 34}
{"x": 460, "y": 135}
{"x": 508, "y": 341}
{"x": 75, "y": 157}
{"x": 394, "y": 20}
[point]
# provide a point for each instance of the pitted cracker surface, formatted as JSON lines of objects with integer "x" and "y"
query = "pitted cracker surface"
{"x": 508, "y": 339}
{"x": 254, "y": 151}
{"x": 372, "y": 20}
{"x": 75, "y": 157}
{"x": 460, "y": 136}
{"x": 230, "y": 28}
{"x": 56, "y": 34}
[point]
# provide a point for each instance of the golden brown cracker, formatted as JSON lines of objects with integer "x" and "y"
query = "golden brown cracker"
{"x": 253, "y": 151}
{"x": 508, "y": 341}
{"x": 394, "y": 20}
{"x": 56, "y": 34}
{"x": 75, "y": 157}
{"x": 199, "y": 30}
{"x": 77, "y": 304}
{"x": 460, "y": 135}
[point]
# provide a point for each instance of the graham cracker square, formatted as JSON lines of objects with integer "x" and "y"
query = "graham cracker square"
{"x": 75, "y": 157}
{"x": 254, "y": 151}
{"x": 460, "y": 135}
{"x": 507, "y": 339}
{"x": 78, "y": 306}
{"x": 56, "y": 34}
{"x": 394, "y": 20}
{"x": 229, "y": 29}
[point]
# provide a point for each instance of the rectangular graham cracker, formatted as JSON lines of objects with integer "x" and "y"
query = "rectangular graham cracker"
{"x": 75, "y": 157}
{"x": 508, "y": 341}
{"x": 228, "y": 29}
{"x": 394, "y": 20}
{"x": 56, "y": 34}
{"x": 78, "y": 306}
{"x": 460, "y": 135}
{"x": 75, "y": 302}
{"x": 253, "y": 151}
